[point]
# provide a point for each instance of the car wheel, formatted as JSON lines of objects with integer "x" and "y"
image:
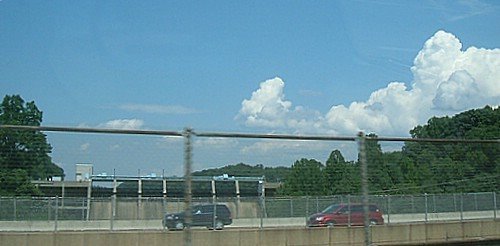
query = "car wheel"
{"x": 219, "y": 225}
{"x": 330, "y": 223}
{"x": 179, "y": 225}
{"x": 373, "y": 222}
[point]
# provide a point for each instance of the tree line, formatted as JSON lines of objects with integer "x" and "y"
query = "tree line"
{"x": 419, "y": 167}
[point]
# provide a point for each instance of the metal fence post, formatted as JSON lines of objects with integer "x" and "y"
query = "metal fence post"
{"x": 475, "y": 202}
{"x": 56, "y": 217}
{"x": 83, "y": 209}
{"x": 413, "y": 204}
{"x": 454, "y": 202}
{"x": 388, "y": 209}
{"x": 187, "y": 185}
{"x": 112, "y": 212}
{"x": 262, "y": 202}
{"x": 317, "y": 205}
{"x": 494, "y": 205}
{"x": 15, "y": 209}
{"x": 461, "y": 206}
{"x": 261, "y": 214}
{"x": 139, "y": 195}
{"x": 214, "y": 216}
{"x": 238, "y": 198}
{"x": 434, "y": 203}
{"x": 426, "y": 207}
{"x": 307, "y": 207}
{"x": 164, "y": 200}
{"x": 364, "y": 185}
{"x": 89, "y": 198}
{"x": 48, "y": 209}
{"x": 349, "y": 210}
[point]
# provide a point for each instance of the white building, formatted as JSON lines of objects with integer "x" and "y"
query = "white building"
{"x": 83, "y": 172}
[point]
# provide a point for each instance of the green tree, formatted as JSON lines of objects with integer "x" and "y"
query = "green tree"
{"x": 419, "y": 168}
{"x": 459, "y": 167}
{"x": 379, "y": 172}
{"x": 305, "y": 179}
{"x": 16, "y": 182}
{"x": 341, "y": 177}
{"x": 394, "y": 163}
{"x": 23, "y": 153}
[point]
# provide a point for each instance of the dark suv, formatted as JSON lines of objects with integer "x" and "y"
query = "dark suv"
{"x": 345, "y": 214}
{"x": 209, "y": 215}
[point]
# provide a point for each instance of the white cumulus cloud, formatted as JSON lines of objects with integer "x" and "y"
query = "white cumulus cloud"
{"x": 158, "y": 109}
{"x": 126, "y": 124}
{"x": 268, "y": 108}
{"x": 446, "y": 80}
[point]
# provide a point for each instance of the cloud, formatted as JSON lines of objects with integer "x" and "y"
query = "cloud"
{"x": 114, "y": 147}
{"x": 456, "y": 80}
{"x": 158, "y": 109}
{"x": 446, "y": 80}
{"x": 84, "y": 147}
{"x": 266, "y": 147}
{"x": 128, "y": 124}
{"x": 223, "y": 143}
{"x": 268, "y": 108}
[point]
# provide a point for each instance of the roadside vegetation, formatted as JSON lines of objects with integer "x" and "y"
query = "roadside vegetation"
{"x": 419, "y": 167}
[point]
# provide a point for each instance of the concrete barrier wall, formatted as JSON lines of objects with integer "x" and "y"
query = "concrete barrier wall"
{"x": 132, "y": 209}
{"x": 381, "y": 235}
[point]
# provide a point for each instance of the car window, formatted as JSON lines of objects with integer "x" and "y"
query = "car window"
{"x": 210, "y": 209}
{"x": 343, "y": 210}
{"x": 196, "y": 209}
{"x": 225, "y": 210}
{"x": 356, "y": 209}
{"x": 330, "y": 209}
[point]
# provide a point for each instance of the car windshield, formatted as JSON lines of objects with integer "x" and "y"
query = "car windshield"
{"x": 330, "y": 209}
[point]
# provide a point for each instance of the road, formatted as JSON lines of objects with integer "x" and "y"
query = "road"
{"x": 155, "y": 224}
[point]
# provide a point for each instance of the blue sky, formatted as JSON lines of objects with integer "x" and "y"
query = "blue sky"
{"x": 327, "y": 67}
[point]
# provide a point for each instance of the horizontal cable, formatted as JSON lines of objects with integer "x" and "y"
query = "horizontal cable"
{"x": 242, "y": 135}
{"x": 91, "y": 130}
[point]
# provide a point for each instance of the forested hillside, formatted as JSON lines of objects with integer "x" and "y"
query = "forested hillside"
{"x": 419, "y": 167}
{"x": 431, "y": 167}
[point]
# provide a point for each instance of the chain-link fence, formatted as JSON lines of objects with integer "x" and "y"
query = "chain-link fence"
{"x": 55, "y": 213}
{"x": 292, "y": 179}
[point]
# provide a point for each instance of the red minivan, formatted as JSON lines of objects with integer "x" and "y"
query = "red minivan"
{"x": 345, "y": 214}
